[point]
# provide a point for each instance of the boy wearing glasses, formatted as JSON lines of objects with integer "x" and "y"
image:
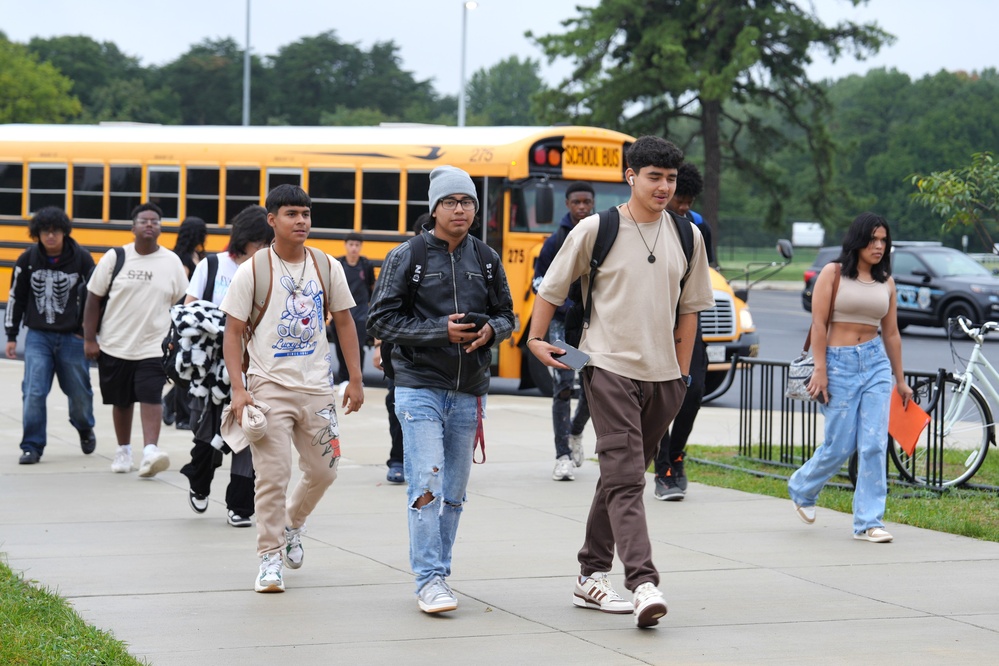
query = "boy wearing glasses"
{"x": 135, "y": 321}
{"x": 45, "y": 295}
{"x": 441, "y": 368}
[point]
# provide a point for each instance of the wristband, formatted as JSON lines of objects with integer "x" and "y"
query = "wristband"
{"x": 530, "y": 340}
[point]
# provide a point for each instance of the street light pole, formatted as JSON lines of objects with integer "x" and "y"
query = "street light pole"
{"x": 246, "y": 70}
{"x": 465, "y": 7}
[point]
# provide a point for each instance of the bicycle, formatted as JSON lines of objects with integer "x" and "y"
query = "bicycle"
{"x": 953, "y": 447}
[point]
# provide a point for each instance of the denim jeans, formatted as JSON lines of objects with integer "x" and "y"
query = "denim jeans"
{"x": 438, "y": 434}
{"x": 48, "y": 354}
{"x": 860, "y": 386}
{"x": 563, "y": 423}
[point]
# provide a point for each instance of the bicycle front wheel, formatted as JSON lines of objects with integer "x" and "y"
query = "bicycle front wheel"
{"x": 949, "y": 452}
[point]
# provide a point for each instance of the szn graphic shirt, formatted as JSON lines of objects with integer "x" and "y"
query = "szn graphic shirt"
{"x": 289, "y": 345}
{"x": 137, "y": 317}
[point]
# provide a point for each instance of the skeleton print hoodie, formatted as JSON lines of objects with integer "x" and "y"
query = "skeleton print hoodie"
{"x": 48, "y": 293}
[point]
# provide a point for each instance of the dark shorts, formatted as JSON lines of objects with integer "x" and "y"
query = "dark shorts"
{"x": 124, "y": 383}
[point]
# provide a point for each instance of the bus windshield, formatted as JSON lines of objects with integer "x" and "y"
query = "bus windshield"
{"x": 523, "y": 203}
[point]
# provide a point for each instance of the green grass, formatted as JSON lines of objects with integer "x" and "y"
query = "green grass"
{"x": 963, "y": 511}
{"x": 39, "y": 627}
{"x": 733, "y": 261}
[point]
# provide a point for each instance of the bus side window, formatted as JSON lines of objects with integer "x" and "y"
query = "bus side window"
{"x": 46, "y": 186}
{"x": 417, "y": 193}
{"x": 332, "y": 194}
{"x": 88, "y": 191}
{"x": 164, "y": 190}
{"x": 380, "y": 201}
{"x": 203, "y": 193}
{"x": 242, "y": 189}
{"x": 10, "y": 188}
{"x": 126, "y": 191}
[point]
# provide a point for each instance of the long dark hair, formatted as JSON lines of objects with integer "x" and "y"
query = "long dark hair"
{"x": 191, "y": 233}
{"x": 858, "y": 237}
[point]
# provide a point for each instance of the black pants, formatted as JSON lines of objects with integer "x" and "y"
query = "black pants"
{"x": 205, "y": 459}
{"x": 395, "y": 428}
{"x": 675, "y": 440}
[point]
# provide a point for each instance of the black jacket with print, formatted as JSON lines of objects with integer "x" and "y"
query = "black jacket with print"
{"x": 48, "y": 294}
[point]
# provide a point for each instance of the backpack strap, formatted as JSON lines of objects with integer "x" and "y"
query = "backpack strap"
{"x": 262, "y": 287}
{"x": 488, "y": 268}
{"x": 417, "y": 266}
{"x": 686, "y": 233}
{"x": 119, "y": 262}
{"x": 610, "y": 221}
{"x": 326, "y": 276}
{"x": 213, "y": 269}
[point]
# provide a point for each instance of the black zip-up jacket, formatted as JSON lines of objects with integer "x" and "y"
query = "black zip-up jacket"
{"x": 422, "y": 357}
{"x": 49, "y": 296}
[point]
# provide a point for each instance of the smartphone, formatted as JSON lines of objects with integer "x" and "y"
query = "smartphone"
{"x": 476, "y": 318}
{"x": 572, "y": 357}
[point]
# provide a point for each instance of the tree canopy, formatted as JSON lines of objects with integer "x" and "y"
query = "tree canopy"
{"x": 32, "y": 91}
{"x": 647, "y": 65}
{"x": 501, "y": 94}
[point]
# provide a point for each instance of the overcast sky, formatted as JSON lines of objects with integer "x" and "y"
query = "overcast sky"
{"x": 932, "y": 35}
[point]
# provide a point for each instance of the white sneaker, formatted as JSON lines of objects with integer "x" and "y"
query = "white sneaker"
{"x": 154, "y": 461}
{"x": 806, "y": 513}
{"x": 649, "y": 605}
{"x": 563, "y": 470}
{"x": 576, "y": 448}
{"x": 122, "y": 463}
{"x": 294, "y": 553}
{"x": 595, "y": 591}
{"x": 270, "y": 579}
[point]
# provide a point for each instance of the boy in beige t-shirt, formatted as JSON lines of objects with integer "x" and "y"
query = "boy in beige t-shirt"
{"x": 290, "y": 371}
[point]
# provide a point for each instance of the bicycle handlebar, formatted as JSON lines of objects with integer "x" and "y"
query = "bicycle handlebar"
{"x": 972, "y": 332}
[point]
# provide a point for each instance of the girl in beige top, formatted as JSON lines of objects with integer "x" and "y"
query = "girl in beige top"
{"x": 855, "y": 372}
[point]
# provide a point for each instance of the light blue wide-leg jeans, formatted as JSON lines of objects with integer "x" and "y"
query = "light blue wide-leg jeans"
{"x": 438, "y": 434}
{"x": 856, "y": 419}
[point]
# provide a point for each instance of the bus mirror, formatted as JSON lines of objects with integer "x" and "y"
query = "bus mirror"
{"x": 785, "y": 249}
{"x": 544, "y": 203}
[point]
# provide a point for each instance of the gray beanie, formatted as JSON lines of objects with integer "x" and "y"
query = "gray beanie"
{"x": 447, "y": 180}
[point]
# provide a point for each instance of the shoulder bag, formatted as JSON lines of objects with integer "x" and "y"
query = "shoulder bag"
{"x": 799, "y": 373}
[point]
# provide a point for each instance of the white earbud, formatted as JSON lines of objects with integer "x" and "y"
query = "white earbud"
{"x": 632, "y": 180}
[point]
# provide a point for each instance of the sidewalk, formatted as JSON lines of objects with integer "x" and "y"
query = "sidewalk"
{"x": 746, "y": 581}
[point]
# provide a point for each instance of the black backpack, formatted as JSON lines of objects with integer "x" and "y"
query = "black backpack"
{"x": 578, "y": 316}
{"x": 171, "y": 343}
{"x": 417, "y": 266}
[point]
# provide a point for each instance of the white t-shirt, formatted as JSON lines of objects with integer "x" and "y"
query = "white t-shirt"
{"x": 223, "y": 278}
{"x": 289, "y": 345}
{"x": 137, "y": 317}
{"x": 634, "y": 301}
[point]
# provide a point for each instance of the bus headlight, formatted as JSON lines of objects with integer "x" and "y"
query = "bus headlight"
{"x": 746, "y": 320}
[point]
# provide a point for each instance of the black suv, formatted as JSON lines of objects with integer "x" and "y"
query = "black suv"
{"x": 934, "y": 283}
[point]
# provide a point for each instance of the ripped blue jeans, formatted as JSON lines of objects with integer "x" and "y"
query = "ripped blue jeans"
{"x": 438, "y": 434}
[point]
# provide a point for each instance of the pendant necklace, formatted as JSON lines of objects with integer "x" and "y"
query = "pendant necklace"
{"x": 301, "y": 278}
{"x": 652, "y": 256}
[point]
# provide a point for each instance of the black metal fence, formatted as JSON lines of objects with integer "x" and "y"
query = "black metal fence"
{"x": 774, "y": 429}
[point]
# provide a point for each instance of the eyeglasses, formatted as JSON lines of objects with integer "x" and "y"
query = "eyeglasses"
{"x": 146, "y": 220}
{"x": 466, "y": 204}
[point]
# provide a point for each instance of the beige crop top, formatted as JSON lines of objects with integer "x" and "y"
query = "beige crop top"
{"x": 860, "y": 303}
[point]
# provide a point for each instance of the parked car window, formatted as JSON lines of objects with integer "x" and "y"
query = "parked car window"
{"x": 904, "y": 263}
{"x": 951, "y": 264}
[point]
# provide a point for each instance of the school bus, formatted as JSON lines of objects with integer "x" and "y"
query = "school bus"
{"x": 372, "y": 180}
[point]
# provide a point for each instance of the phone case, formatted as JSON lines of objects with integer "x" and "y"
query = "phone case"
{"x": 572, "y": 357}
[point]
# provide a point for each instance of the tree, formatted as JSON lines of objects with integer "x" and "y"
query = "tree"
{"x": 30, "y": 91}
{"x": 644, "y": 64}
{"x": 966, "y": 196}
{"x": 208, "y": 80}
{"x": 500, "y": 94}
